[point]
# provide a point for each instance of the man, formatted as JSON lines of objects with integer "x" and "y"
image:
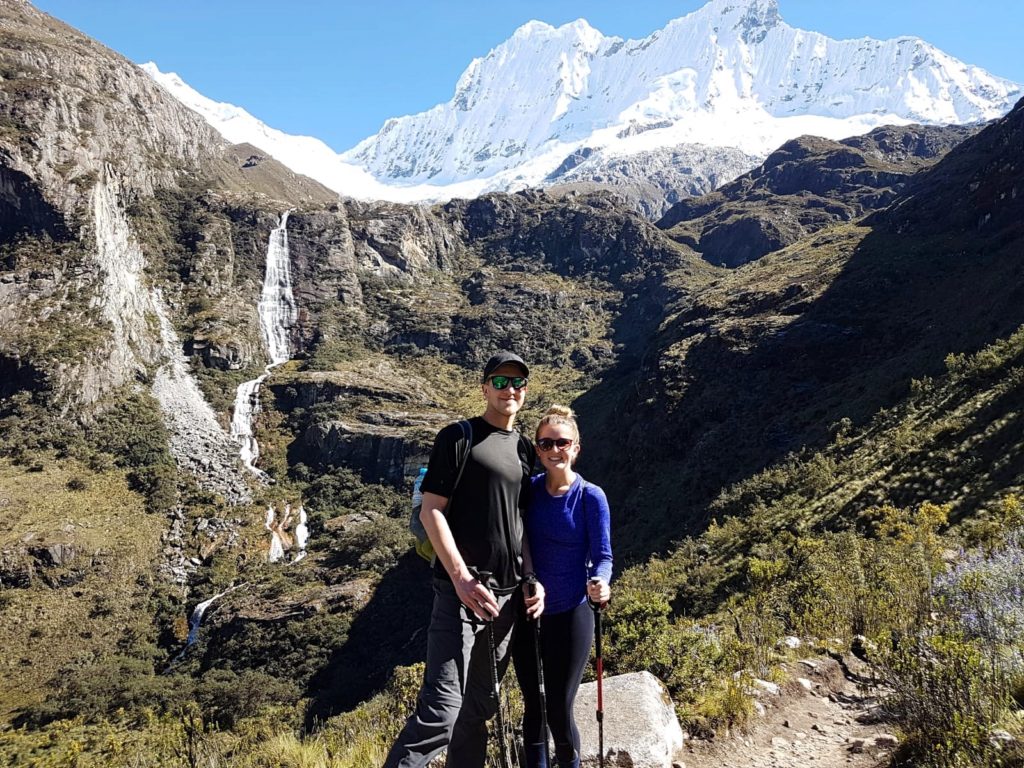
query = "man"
{"x": 475, "y": 528}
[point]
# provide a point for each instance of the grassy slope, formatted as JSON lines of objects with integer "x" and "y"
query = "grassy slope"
{"x": 45, "y": 630}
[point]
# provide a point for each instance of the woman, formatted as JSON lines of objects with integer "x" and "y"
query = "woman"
{"x": 567, "y": 524}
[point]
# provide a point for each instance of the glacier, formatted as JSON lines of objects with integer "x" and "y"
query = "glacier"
{"x": 731, "y": 74}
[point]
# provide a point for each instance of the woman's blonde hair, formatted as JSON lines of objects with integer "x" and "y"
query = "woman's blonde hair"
{"x": 559, "y": 414}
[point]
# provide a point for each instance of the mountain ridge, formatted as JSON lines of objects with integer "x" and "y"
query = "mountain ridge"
{"x": 728, "y": 75}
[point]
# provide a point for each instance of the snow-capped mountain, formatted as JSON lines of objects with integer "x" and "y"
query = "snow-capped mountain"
{"x": 731, "y": 74}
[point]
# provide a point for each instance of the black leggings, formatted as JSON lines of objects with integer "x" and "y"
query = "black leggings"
{"x": 565, "y": 641}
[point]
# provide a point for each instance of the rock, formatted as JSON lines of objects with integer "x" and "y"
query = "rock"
{"x": 792, "y": 642}
{"x": 779, "y": 742}
{"x": 16, "y": 568}
{"x": 640, "y": 724}
{"x": 379, "y": 454}
{"x": 225, "y": 356}
{"x": 1001, "y": 738}
{"x": 54, "y": 555}
{"x": 856, "y": 746}
{"x": 861, "y": 647}
{"x": 886, "y": 741}
{"x": 807, "y": 684}
{"x": 764, "y": 686}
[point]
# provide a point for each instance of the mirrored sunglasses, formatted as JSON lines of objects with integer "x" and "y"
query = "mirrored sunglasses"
{"x": 502, "y": 382}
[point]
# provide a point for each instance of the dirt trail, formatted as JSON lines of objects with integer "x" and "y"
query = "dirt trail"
{"x": 821, "y": 718}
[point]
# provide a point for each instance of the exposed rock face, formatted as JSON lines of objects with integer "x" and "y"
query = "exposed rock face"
{"x": 24, "y": 209}
{"x": 125, "y": 299}
{"x": 379, "y": 454}
{"x": 640, "y": 724}
{"x": 86, "y": 106}
{"x": 198, "y": 442}
{"x": 388, "y": 427}
{"x": 401, "y": 241}
{"x": 651, "y": 182}
{"x": 225, "y": 356}
{"x": 325, "y": 275}
{"x": 807, "y": 184}
{"x": 56, "y": 564}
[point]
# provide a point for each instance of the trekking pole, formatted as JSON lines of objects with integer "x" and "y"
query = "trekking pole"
{"x": 532, "y": 586}
{"x": 483, "y": 577}
{"x": 600, "y": 679}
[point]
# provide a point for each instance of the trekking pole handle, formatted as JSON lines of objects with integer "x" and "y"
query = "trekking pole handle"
{"x": 596, "y": 606}
{"x": 483, "y": 577}
{"x": 598, "y": 609}
{"x": 530, "y": 580}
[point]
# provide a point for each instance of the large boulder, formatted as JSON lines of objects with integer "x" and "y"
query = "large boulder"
{"x": 640, "y": 725}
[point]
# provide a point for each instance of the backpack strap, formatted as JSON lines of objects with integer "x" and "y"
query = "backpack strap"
{"x": 524, "y": 448}
{"x": 463, "y": 448}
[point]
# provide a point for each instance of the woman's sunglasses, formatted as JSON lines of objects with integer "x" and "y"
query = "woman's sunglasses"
{"x": 547, "y": 443}
{"x": 502, "y": 382}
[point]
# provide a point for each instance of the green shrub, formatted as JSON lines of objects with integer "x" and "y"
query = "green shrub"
{"x": 947, "y": 700}
{"x": 225, "y": 697}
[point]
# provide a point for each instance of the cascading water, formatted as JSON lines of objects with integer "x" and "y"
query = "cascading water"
{"x": 196, "y": 620}
{"x": 277, "y": 314}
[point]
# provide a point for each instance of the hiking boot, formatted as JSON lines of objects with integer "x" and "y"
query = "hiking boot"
{"x": 574, "y": 763}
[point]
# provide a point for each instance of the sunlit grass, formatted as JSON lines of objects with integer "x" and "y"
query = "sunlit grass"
{"x": 114, "y": 540}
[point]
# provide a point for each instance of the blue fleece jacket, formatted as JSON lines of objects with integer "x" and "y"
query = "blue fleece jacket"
{"x": 570, "y": 541}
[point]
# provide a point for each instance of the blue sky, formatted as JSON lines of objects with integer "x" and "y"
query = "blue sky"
{"x": 336, "y": 69}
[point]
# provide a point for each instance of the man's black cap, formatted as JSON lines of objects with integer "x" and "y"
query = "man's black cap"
{"x": 500, "y": 359}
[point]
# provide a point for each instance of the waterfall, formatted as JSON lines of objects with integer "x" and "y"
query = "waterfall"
{"x": 277, "y": 305}
{"x": 196, "y": 620}
{"x": 278, "y": 314}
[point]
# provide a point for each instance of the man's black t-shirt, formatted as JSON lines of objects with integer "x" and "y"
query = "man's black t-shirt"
{"x": 485, "y": 511}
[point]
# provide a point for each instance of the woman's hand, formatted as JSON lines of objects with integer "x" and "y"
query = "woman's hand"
{"x": 533, "y": 595}
{"x": 598, "y": 591}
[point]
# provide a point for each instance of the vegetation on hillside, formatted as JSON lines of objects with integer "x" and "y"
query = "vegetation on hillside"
{"x": 824, "y": 444}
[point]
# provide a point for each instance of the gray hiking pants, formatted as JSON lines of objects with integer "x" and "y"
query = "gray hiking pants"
{"x": 456, "y": 699}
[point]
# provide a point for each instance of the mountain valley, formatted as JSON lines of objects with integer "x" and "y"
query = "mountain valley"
{"x": 821, "y": 356}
